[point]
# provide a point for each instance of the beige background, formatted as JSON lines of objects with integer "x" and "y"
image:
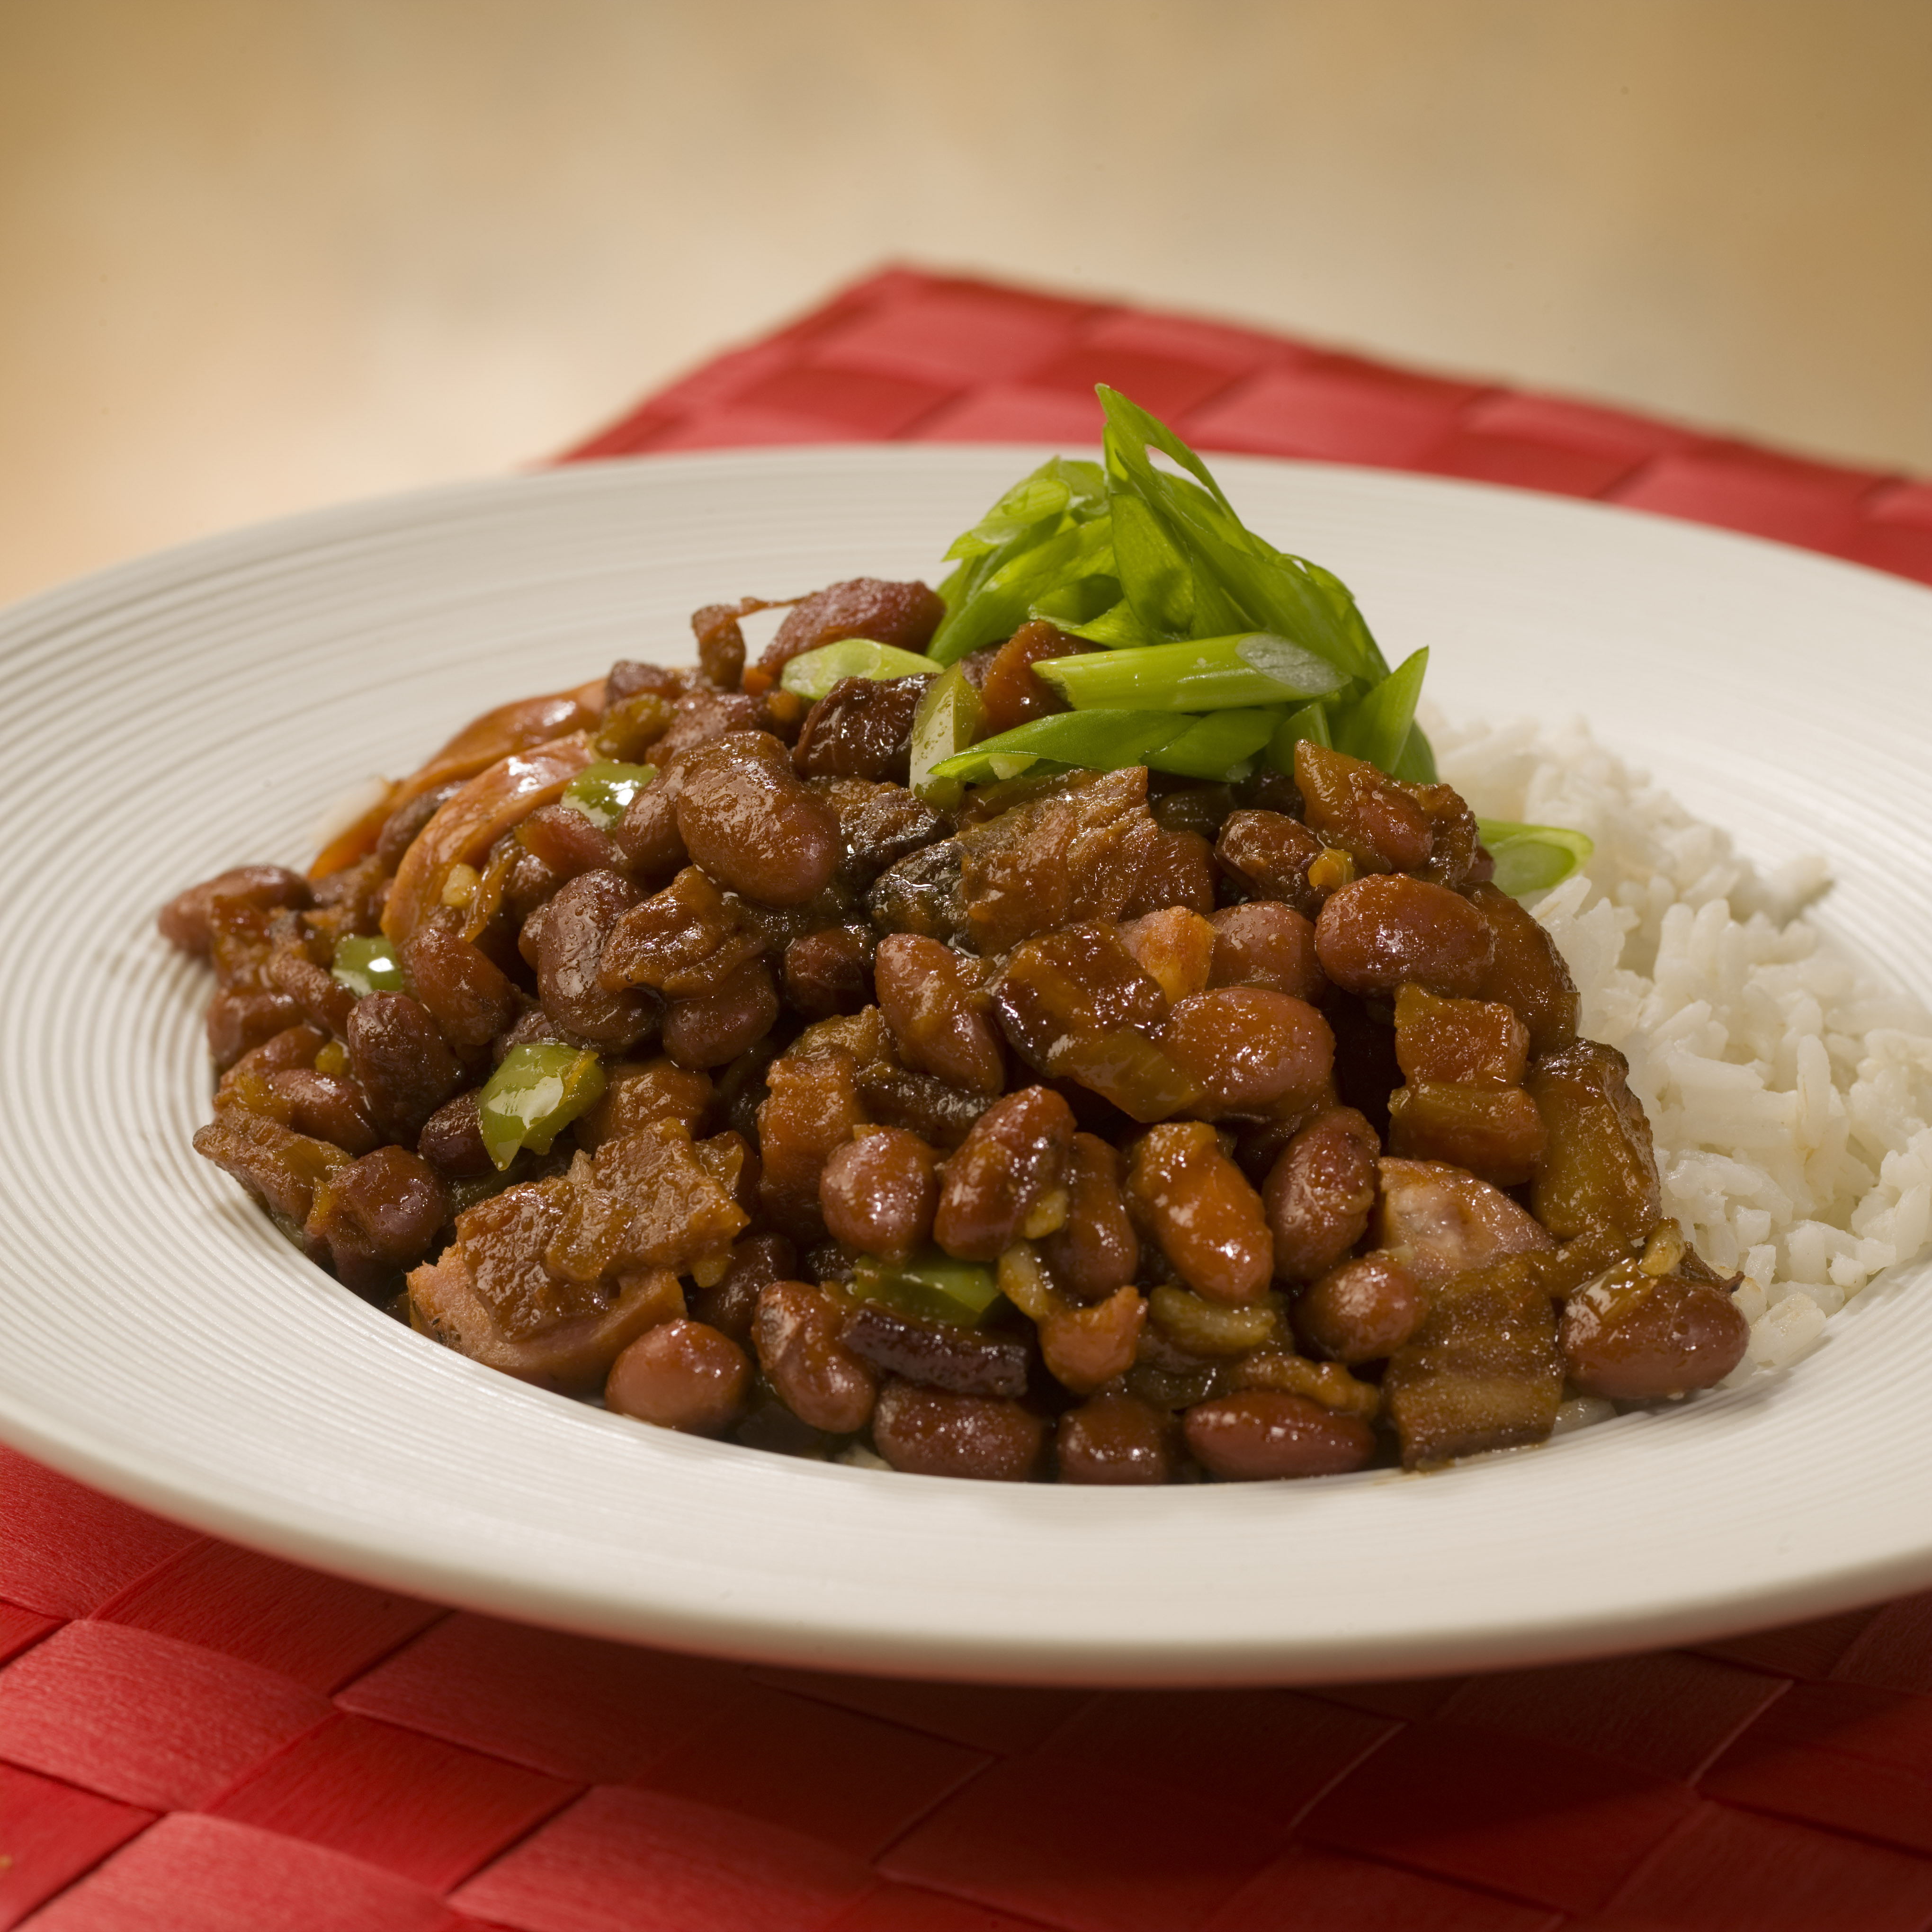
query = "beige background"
{"x": 254, "y": 256}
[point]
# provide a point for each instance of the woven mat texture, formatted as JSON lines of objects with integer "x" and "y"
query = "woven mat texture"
{"x": 196, "y": 1739}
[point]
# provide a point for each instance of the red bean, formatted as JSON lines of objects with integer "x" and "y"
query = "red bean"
{"x": 938, "y": 1010}
{"x": 1634, "y": 1337}
{"x": 239, "y": 1022}
{"x": 452, "y": 1140}
{"x": 1266, "y": 943}
{"x": 329, "y": 1108}
{"x": 750, "y": 824}
{"x": 713, "y": 1028}
{"x": 730, "y": 1302}
{"x": 647, "y": 834}
{"x": 905, "y": 614}
{"x": 1360, "y": 1311}
{"x": 1250, "y": 1048}
{"x": 379, "y": 1215}
{"x": 878, "y": 1193}
{"x": 1097, "y": 1251}
{"x": 576, "y": 924}
{"x": 1014, "y": 1159}
{"x": 467, "y": 997}
{"x": 797, "y": 1331}
{"x": 401, "y": 1062}
{"x": 1375, "y": 934}
{"x": 1379, "y": 821}
{"x": 1260, "y": 1435}
{"x": 930, "y": 1432}
{"x": 1115, "y": 1440}
{"x": 1208, "y": 1221}
{"x": 184, "y": 920}
{"x": 1319, "y": 1193}
{"x": 829, "y": 971}
{"x": 681, "y": 1375}
{"x": 1270, "y": 853}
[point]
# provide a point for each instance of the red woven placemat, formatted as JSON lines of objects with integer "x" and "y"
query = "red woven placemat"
{"x": 194, "y": 1738}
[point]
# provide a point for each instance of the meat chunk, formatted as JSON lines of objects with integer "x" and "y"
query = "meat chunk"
{"x": 903, "y": 614}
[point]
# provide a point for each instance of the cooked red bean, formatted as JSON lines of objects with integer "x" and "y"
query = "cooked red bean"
{"x": 1261, "y": 1435}
{"x": 1007, "y": 1171}
{"x": 647, "y": 834}
{"x": 452, "y": 1140}
{"x": 322, "y": 998}
{"x": 325, "y": 1106}
{"x": 1250, "y": 1048}
{"x": 1375, "y": 934}
{"x": 1635, "y": 1337}
{"x": 936, "y": 1354}
{"x": 829, "y": 971}
{"x": 1208, "y": 1222}
{"x": 567, "y": 842}
{"x": 184, "y": 920}
{"x": 714, "y": 1028}
{"x": 939, "y": 1012}
{"x": 1266, "y": 943}
{"x": 930, "y": 1432}
{"x": 401, "y": 1062}
{"x": 879, "y": 1191}
{"x": 1097, "y": 1250}
{"x": 469, "y": 999}
{"x": 1319, "y": 1193}
{"x": 798, "y": 1331}
{"x": 750, "y": 824}
{"x": 730, "y": 1302}
{"x": 294, "y": 1046}
{"x": 1360, "y": 1311}
{"x": 1114, "y": 1440}
{"x": 576, "y": 924}
{"x": 1270, "y": 854}
{"x": 378, "y": 1215}
{"x": 681, "y": 1375}
{"x": 238, "y": 1021}
{"x": 699, "y": 716}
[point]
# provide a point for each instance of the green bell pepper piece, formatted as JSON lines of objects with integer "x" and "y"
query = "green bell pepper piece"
{"x": 536, "y": 1094}
{"x": 602, "y": 791}
{"x": 813, "y": 673}
{"x": 932, "y": 1284}
{"x": 368, "y": 965}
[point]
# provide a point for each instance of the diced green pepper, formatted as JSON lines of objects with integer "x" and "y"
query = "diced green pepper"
{"x": 536, "y": 1094}
{"x": 367, "y": 965}
{"x": 946, "y": 722}
{"x": 602, "y": 791}
{"x": 813, "y": 673}
{"x": 932, "y": 1284}
{"x": 1532, "y": 858}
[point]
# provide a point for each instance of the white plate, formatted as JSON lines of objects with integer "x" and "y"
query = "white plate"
{"x": 163, "y": 720}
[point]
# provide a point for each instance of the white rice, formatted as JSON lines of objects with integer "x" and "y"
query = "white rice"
{"x": 1789, "y": 1092}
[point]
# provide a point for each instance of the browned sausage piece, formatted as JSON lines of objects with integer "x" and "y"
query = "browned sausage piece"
{"x": 681, "y": 1375}
{"x": 1637, "y": 1337}
{"x": 749, "y": 822}
{"x": 936, "y": 1354}
{"x": 1260, "y": 1435}
{"x": 1009, "y": 1174}
{"x": 1360, "y": 1311}
{"x": 1319, "y": 1193}
{"x": 798, "y": 1332}
{"x": 878, "y": 1193}
{"x": 1115, "y": 1440}
{"x": 1377, "y": 933}
{"x": 1208, "y": 1222}
{"x": 930, "y": 1432}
